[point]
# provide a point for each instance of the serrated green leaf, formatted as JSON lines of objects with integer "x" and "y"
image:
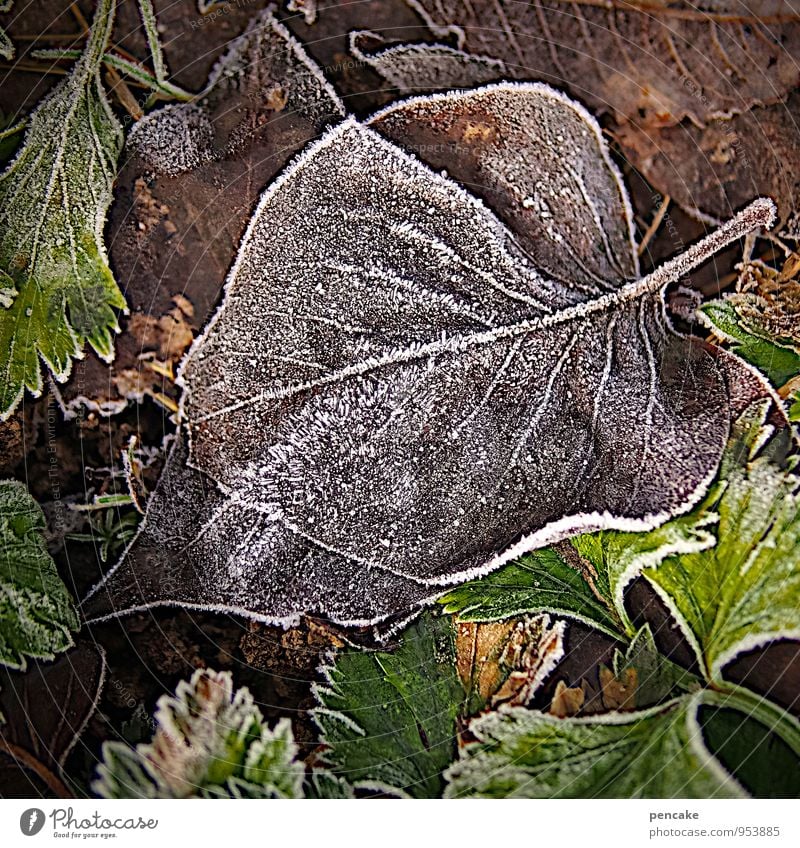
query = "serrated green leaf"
{"x": 779, "y": 363}
{"x": 389, "y": 719}
{"x": 53, "y": 201}
{"x": 620, "y": 557}
{"x": 210, "y": 741}
{"x": 657, "y": 753}
{"x": 6, "y": 47}
{"x": 744, "y": 591}
{"x": 324, "y": 785}
{"x": 36, "y": 611}
{"x": 539, "y": 582}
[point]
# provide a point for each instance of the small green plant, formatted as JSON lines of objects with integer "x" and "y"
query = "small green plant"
{"x": 211, "y": 741}
{"x": 37, "y": 615}
{"x": 109, "y": 529}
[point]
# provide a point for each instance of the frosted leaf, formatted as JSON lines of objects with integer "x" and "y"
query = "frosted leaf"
{"x": 210, "y": 740}
{"x": 53, "y": 202}
{"x": 393, "y": 397}
{"x": 540, "y": 161}
{"x": 413, "y": 68}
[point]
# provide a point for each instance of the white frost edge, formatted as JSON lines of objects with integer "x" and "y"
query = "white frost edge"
{"x": 708, "y": 760}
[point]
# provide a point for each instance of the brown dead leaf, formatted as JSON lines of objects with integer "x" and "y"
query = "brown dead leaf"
{"x": 645, "y": 61}
{"x": 701, "y": 97}
{"x": 567, "y": 700}
{"x": 618, "y": 693}
{"x": 717, "y": 168}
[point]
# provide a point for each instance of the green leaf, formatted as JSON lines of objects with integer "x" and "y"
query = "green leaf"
{"x": 657, "y": 753}
{"x": 36, "y": 611}
{"x": 210, "y": 742}
{"x": 539, "y": 582}
{"x": 6, "y": 47}
{"x": 323, "y": 784}
{"x": 778, "y": 362}
{"x": 53, "y": 201}
{"x": 148, "y": 17}
{"x": 743, "y": 592}
{"x": 389, "y": 719}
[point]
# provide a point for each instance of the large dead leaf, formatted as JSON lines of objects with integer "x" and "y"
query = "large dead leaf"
{"x": 394, "y": 396}
{"x": 192, "y": 176}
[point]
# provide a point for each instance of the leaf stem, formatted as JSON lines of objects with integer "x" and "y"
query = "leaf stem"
{"x": 759, "y": 214}
{"x": 133, "y": 69}
{"x": 26, "y": 759}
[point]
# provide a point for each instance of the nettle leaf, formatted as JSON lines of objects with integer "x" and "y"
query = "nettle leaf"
{"x": 742, "y": 592}
{"x": 658, "y": 753}
{"x": 389, "y": 719}
{"x": 6, "y": 47}
{"x": 779, "y": 362}
{"x": 53, "y": 201}
{"x": 430, "y": 404}
{"x": 37, "y": 614}
{"x": 210, "y": 741}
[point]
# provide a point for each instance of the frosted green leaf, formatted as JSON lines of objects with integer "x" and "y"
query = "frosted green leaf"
{"x": 657, "y": 753}
{"x": 210, "y": 741}
{"x": 778, "y": 362}
{"x": 6, "y": 47}
{"x": 389, "y": 719}
{"x": 53, "y": 201}
{"x": 36, "y": 610}
{"x": 741, "y": 593}
{"x": 540, "y": 582}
